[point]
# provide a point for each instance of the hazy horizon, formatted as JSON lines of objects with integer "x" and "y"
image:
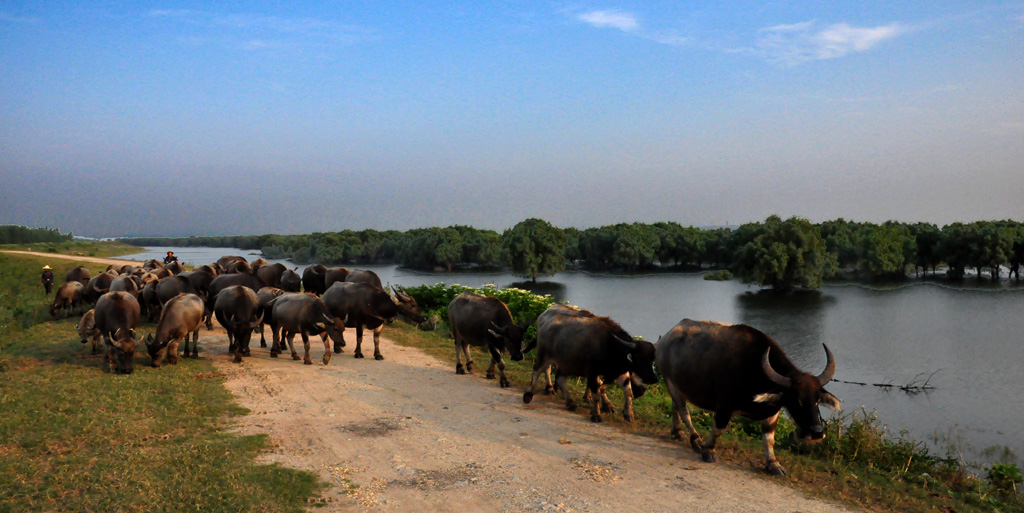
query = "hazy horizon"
{"x": 205, "y": 119}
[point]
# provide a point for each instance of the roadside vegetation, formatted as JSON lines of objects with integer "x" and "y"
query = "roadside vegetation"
{"x": 76, "y": 438}
{"x": 859, "y": 461}
{"x": 776, "y": 253}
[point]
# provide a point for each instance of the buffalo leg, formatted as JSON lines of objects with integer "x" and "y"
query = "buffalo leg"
{"x": 680, "y": 416}
{"x": 539, "y": 365}
{"x": 263, "y": 340}
{"x": 275, "y": 343}
{"x": 461, "y": 347}
{"x": 172, "y": 349}
{"x": 290, "y": 337}
{"x": 305, "y": 346}
{"x": 771, "y": 465}
{"x": 625, "y": 383}
{"x": 707, "y": 450}
{"x": 327, "y": 348}
{"x": 376, "y": 342}
{"x": 595, "y": 389}
{"x": 561, "y": 380}
{"x": 195, "y": 344}
{"x": 496, "y": 361}
{"x": 359, "y": 341}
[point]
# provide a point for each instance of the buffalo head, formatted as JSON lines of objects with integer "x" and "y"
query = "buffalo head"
{"x": 511, "y": 337}
{"x": 801, "y": 395}
{"x": 121, "y": 350}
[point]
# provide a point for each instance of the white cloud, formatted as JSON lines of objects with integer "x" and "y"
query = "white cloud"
{"x": 623, "y": 21}
{"x": 807, "y": 41}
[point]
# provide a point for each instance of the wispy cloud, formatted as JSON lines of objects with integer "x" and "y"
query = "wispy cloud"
{"x": 623, "y": 21}
{"x": 808, "y": 41}
{"x": 629, "y": 23}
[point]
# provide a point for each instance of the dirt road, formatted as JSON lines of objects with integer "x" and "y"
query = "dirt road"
{"x": 95, "y": 260}
{"x": 407, "y": 434}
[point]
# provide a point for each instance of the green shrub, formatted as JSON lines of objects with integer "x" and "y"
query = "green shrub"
{"x": 1004, "y": 477}
{"x": 720, "y": 275}
{"x": 524, "y": 305}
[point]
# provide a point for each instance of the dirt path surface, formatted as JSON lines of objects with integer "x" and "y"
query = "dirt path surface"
{"x": 95, "y": 260}
{"x": 409, "y": 435}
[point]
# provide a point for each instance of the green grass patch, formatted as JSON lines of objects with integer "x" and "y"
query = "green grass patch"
{"x": 74, "y": 437}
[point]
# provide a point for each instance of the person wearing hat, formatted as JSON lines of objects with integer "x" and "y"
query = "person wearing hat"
{"x": 170, "y": 258}
{"x": 47, "y": 279}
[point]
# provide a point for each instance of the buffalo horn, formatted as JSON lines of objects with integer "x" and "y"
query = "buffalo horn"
{"x": 628, "y": 344}
{"x": 776, "y": 378}
{"x": 830, "y": 367}
{"x": 258, "y": 319}
{"x": 498, "y": 329}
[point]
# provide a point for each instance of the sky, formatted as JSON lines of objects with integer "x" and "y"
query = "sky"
{"x": 221, "y": 118}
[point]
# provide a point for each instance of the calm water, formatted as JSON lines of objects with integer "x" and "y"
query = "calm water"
{"x": 972, "y": 337}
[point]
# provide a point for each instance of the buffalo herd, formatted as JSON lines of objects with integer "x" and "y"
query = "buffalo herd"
{"x": 728, "y": 370}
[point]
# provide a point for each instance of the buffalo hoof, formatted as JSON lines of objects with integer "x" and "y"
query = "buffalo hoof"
{"x": 708, "y": 457}
{"x": 337, "y": 349}
{"x": 273, "y": 354}
{"x": 469, "y": 367}
{"x": 238, "y": 358}
{"x": 549, "y": 390}
{"x": 628, "y": 417}
{"x": 307, "y": 362}
{"x": 263, "y": 344}
{"x": 775, "y": 469}
{"x": 357, "y": 355}
{"x": 295, "y": 357}
{"x": 696, "y": 443}
{"x": 676, "y": 434}
{"x": 459, "y": 369}
{"x": 595, "y": 418}
{"x": 490, "y": 375}
{"x": 195, "y": 354}
{"x": 571, "y": 406}
{"x": 378, "y": 357}
{"x": 326, "y": 360}
{"x": 527, "y": 397}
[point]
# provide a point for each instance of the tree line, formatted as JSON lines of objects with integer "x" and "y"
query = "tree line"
{"x": 15, "y": 234}
{"x": 777, "y": 253}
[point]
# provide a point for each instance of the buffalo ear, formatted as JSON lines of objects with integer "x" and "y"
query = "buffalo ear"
{"x": 829, "y": 400}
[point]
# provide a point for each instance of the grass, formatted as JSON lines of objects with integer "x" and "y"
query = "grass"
{"x": 74, "y": 437}
{"x": 859, "y": 463}
{"x": 77, "y": 248}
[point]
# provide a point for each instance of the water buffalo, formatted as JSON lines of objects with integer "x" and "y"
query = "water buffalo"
{"x": 580, "y": 343}
{"x": 226, "y": 260}
{"x": 736, "y": 369}
{"x": 266, "y": 295}
{"x": 361, "y": 305}
{"x": 239, "y": 267}
{"x": 174, "y": 268}
{"x": 152, "y": 264}
{"x": 306, "y": 315}
{"x": 270, "y": 274}
{"x": 181, "y": 315}
{"x": 98, "y": 285}
{"x": 237, "y": 309}
{"x": 483, "y": 321}
{"x": 148, "y": 301}
{"x": 336, "y": 274}
{"x": 125, "y": 283}
{"x": 314, "y": 279}
{"x": 117, "y": 315}
{"x": 86, "y": 328}
{"x": 68, "y": 296}
{"x": 79, "y": 274}
{"x": 291, "y": 281}
{"x": 229, "y": 280}
{"x": 206, "y": 268}
{"x": 168, "y": 288}
{"x": 407, "y": 307}
{"x": 200, "y": 281}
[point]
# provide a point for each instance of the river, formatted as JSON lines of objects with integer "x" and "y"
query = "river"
{"x": 968, "y": 338}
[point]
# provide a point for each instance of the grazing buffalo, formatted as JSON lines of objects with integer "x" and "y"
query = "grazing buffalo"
{"x": 580, "y": 343}
{"x": 68, "y": 296}
{"x": 267, "y": 295}
{"x": 361, "y": 305}
{"x": 306, "y": 315}
{"x": 736, "y": 369}
{"x": 237, "y": 309}
{"x": 181, "y": 315}
{"x": 87, "y": 331}
{"x": 336, "y": 274}
{"x": 117, "y": 315}
{"x": 291, "y": 281}
{"x": 314, "y": 279}
{"x": 483, "y": 321}
{"x": 270, "y": 274}
{"x": 98, "y": 285}
{"x": 79, "y": 274}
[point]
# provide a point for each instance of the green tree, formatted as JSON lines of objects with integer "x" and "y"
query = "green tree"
{"x": 885, "y": 250}
{"x": 787, "y": 254}
{"x": 533, "y": 247}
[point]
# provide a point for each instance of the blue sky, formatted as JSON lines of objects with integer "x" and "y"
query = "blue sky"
{"x": 255, "y": 117}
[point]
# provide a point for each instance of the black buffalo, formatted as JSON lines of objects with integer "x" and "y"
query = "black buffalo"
{"x": 291, "y": 281}
{"x": 362, "y": 306}
{"x": 313, "y": 279}
{"x": 237, "y": 309}
{"x": 484, "y": 321}
{"x": 580, "y": 343}
{"x": 738, "y": 370}
{"x": 116, "y": 316}
{"x": 306, "y": 315}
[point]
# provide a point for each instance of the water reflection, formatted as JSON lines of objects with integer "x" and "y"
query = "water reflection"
{"x": 796, "y": 320}
{"x": 553, "y": 288}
